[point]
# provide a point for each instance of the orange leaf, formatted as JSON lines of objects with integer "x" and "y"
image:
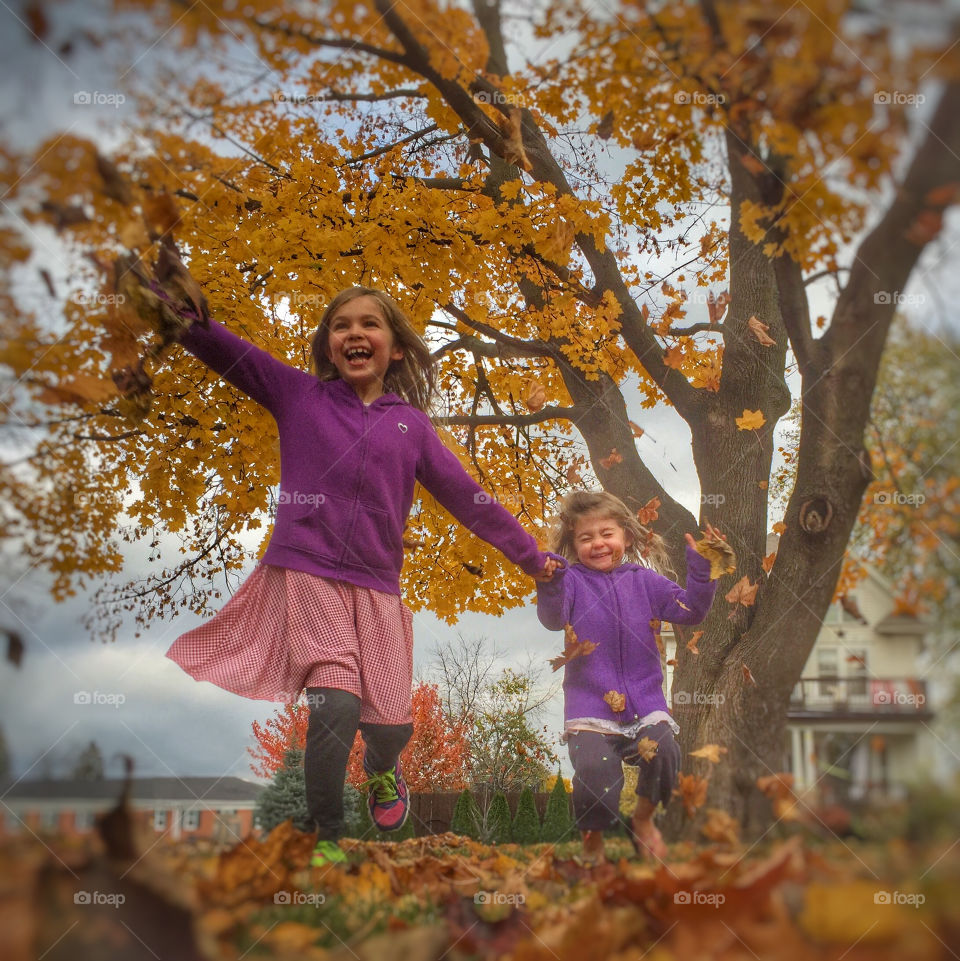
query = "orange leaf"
{"x": 616, "y": 700}
{"x": 647, "y": 748}
{"x": 721, "y": 827}
{"x": 649, "y": 512}
{"x": 743, "y": 592}
{"x": 692, "y": 791}
{"x": 572, "y": 647}
{"x": 614, "y": 457}
{"x": 943, "y": 196}
{"x": 722, "y": 558}
{"x": 759, "y": 330}
{"x": 536, "y": 397}
{"x": 573, "y": 475}
{"x": 763, "y": 485}
{"x": 779, "y": 527}
{"x": 672, "y": 662}
{"x": 692, "y": 643}
{"x": 752, "y": 163}
{"x": 767, "y": 562}
{"x": 80, "y": 389}
{"x": 637, "y": 430}
{"x": 751, "y": 420}
{"x": 513, "y": 149}
{"x": 709, "y": 752}
{"x": 748, "y": 675}
{"x": 925, "y": 227}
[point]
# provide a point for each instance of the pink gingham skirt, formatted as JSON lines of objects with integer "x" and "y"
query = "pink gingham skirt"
{"x": 284, "y": 630}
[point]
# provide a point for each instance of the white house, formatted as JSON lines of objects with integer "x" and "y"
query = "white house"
{"x": 858, "y": 723}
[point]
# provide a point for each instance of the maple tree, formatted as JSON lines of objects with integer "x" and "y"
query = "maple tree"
{"x": 552, "y": 228}
{"x": 435, "y": 759}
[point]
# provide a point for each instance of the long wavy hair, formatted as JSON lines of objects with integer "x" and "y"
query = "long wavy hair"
{"x": 413, "y": 377}
{"x": 644, "y": 546}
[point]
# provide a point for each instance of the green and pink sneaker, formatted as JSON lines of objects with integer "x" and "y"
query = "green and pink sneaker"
{"x": 327, "y": 852}
{"x": 387, "y": 799}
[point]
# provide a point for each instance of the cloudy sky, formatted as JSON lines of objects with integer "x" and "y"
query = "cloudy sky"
{"x": 126, "y": 695}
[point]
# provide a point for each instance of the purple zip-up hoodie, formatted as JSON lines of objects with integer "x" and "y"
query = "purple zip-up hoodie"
{"x": 347, "y": 470}
{"x": 614, "y": 609}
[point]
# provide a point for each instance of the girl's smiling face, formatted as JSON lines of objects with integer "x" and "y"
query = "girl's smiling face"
{"x": 600, "y": 542}
{"x": 362, "y": 346}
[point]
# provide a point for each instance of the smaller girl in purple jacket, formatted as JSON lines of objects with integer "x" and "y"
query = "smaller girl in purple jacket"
{"x": 613, "y": 696}
{"x": 322, "y": 612}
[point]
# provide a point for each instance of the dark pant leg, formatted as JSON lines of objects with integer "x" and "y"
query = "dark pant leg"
{"x": 657, "y": 777}
{"x": 331, "y": 728}
{"x": 383, "y": 743}
{"x": 597, "y": 780}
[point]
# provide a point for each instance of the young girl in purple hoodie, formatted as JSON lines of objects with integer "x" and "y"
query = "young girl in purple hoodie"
{"x": 613, "y": 696}
{"x": 322, "y": 610}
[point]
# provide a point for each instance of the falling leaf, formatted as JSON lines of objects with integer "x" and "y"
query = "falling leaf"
{"x": 637, "y": 430}
{"x": 748, "y": 675}
{"x": 943, "y": 196}
{"x": 751, "y": 420}
{"x": 573, "y": 475}
{"x": 672, "y": 662}
{"x": 682, "y": 605}
{"x": 647, "y": 748}
{"x": 161, "y": 213}
{"x": 133, "y": 235}
{"x": 605, "y": 127}
{"x": 536, "y": 396}
{"x": 849, "y": 603}
{"x": 15, "y": 648}
{"x": 513, "y": 149}
{"x": 779, "y": 527}
{"x": 721, "y": 827}
{"x": 412, "y": 543}
{"x": 717, "y": 306}
{"x": 649, "y": 512}
{"x": 692, "y": 643}
{"x": 721, "y": 555}
{"x": 779, "y": 789}
{"x": 614, "y": 457}
{"x": 759, "y": 330}
{"x": 767, "y": 562}
{"x": 763, "y": 485}
{"x": 752, "y": 163}
{"x": 925, "y": 227}
{"x": 743, "y": 592}
{"x": 472, "y": 569}
{"x": 692, "y": 791}
{"x": 572, "y": 647}
{"x": 616, "y": 700}
{"x": 709, "y": 752}
{"x": 178, "y": 283}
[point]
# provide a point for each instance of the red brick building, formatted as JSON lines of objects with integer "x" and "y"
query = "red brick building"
{"x": 220, "y": 809}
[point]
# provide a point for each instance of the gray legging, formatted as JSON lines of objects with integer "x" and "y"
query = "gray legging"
{"x": 598, "y": 773}
{"x": 331, "y": 728}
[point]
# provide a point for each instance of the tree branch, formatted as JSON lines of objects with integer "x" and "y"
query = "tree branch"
{"x": 386, "y": 149}
{"x": 514, "y": 420}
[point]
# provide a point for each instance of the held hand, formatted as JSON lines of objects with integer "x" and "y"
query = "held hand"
{"x": 548, "y": 568}
{"x": 709, "y": 530}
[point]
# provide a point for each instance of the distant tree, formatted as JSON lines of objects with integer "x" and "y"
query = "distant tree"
{"x": 526, "y": 823}
{"x": 557, "y": 822}
{"x": 89, "y": 764}
{"x": 467, "y": 817}
{"x": 285, "y": 797}
{"x": 497, "y": 827}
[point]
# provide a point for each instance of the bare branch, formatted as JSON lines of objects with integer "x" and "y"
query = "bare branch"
{"x": 514, "y": 420}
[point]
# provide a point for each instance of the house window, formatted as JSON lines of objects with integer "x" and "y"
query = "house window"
{"x": 857, "y": 672}
{"x": 83, "y": 820}
{"x": 49, "y": 820}
{"x": 159, "y": 820}
{"x": 191, "y": 820}
{"x": 828, "y": 668}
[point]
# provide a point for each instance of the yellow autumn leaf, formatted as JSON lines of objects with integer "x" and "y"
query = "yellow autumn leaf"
{"x": 751, "y": 420}
{"x": 709, "y": 752}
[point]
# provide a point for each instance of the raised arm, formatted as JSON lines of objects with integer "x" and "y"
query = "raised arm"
{"x": 551, "y": 595}
{"x": 443, "y": 475}
{"x": 689, "y": 605}
{"x": 250, "y": 369}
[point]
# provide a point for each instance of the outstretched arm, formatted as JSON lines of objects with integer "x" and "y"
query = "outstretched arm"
{"x": 250, "y": 369}
{"x": 443, "y": 475}
{"x": 551, "y": 594}
{"x": 688, "y": 605}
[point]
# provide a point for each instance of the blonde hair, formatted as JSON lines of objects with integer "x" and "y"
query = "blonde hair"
{"x": 644, "y": 546}
{"x": 412, "y": 378}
